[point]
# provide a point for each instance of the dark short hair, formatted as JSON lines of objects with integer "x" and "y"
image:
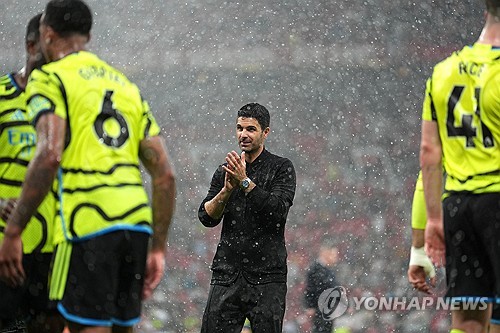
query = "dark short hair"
{"x": 256, "y": 111}
{"x": 328, "y": 243}
{"x": 32, "y": 29}
{"x": 68, "y": 17}
{"x": 493, "y": 7}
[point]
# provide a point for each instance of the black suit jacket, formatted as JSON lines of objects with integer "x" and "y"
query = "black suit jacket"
{"x": 253, "y": 225}
{"x": 319, "y": 278}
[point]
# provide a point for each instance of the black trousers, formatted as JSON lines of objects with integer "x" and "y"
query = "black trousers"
{"x": 228, "y": 306}
{"x": 320, "y": 324}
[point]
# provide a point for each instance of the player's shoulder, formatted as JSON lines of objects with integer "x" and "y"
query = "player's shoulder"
{"x": 8, "y": 87}
{"x": 39, "y": 77}
{"x": 490, "y": 96}
{"x": 444, "y": 65}
{"x": 92, "y": 66}
{"x": 6, "y": 79}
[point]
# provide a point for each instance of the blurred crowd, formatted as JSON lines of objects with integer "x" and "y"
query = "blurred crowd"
{"x": 356, "y": 167}
{"x": 344, "y": 83}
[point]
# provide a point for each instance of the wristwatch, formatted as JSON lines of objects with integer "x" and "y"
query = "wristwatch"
{"x": 245, "y": 183}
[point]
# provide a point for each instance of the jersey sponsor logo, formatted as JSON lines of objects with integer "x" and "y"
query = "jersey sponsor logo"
{"x": 17, "y": 134}
{"x": 17, "y": 137}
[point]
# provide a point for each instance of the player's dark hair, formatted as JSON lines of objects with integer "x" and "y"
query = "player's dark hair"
{"x": 68, "y": 17}
{"x": 493, "y": 7}
{"x": 32, "y": 29}
{"x": 328, "y": 243}
{"x": 256, "y": 111}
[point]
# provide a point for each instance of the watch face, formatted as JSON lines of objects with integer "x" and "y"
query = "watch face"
{"x": 245, "y": 183}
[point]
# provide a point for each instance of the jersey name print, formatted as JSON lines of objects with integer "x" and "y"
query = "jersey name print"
{"x": 453, "y": 99}
{"x": 100, "y": 186}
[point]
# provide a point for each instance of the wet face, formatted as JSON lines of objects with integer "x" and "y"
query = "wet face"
{"x": 35, "y": 54}
{"x": 331, "y": 256}
{"x": 250, "y": 135}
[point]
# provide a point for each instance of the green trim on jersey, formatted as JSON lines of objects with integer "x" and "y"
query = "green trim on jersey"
{"x": 418, "y": 210}
{"x": 17, "y": 147}
{"x": 59, "y": 273}
{"x": 100, "y": 183}
{"x": 470, "y": 145}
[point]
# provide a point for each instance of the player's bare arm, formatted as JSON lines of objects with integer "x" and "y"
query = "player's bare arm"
{"x": 39, "y": 177}
{"x": 154, "y": 156}
{"x": 432, "y": 173}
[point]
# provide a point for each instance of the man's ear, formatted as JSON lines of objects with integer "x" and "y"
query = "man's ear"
{"x": 48, "y": 35}
{"x": 30, "y": 45}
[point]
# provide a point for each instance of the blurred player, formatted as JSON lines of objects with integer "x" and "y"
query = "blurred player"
{"x": 320, "y": 277}
{"x": 29, "y": 301}
{"x": 456, "y": 135}
{"x": 94, "y": 129}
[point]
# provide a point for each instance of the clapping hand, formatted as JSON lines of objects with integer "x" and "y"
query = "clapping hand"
{"x": 235, "y": 169}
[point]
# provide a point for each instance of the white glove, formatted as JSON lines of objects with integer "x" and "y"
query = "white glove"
{"x": 419, "y": 258}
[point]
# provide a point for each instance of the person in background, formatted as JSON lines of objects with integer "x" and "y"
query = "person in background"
{"x": 94, "y": 129}
{"x": 320, "y": 277}
{"x": 458, "y": 134}
{"x": 251, "y": 193}
{"x": 27, "y": 304}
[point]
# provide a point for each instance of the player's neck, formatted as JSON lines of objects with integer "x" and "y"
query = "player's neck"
{"x": 491, "y": 32}
{"x": 66, "y": 46}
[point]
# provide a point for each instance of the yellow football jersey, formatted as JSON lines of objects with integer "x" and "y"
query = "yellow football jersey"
{"x": 17, "y": 147}
{"x": 100, "y": 187}
{"x": 490, "y": 100}
{"x": 453, "y": 99}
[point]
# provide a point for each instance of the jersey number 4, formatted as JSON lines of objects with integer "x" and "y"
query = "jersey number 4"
{"x": 467, "y": 129}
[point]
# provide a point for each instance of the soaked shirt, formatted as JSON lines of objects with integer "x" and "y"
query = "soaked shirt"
{"x": 17, "y": 148}
{"x": 253, "y": 225}
{"x": 456, "y": 99}
{"x": 100, "y": 187}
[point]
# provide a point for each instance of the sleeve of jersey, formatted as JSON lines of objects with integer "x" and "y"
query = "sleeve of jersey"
{"x": 418, "y": 212}
{"x": 44, "y": 96}
{"x": 149, "y": 125}
{"x": 490, "y": 98}
{"x": 428, "y": 111}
